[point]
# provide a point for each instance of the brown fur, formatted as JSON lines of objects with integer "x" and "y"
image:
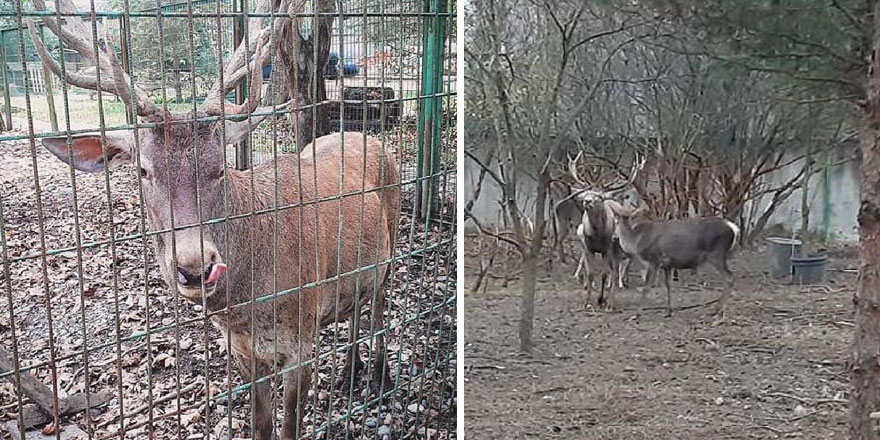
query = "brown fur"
{"x": 273, "y": 251}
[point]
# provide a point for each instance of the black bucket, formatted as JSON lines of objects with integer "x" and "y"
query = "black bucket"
{"x": 809, "y": 269}
{"x": 781, "y": 251}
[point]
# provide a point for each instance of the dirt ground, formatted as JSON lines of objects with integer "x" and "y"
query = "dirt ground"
{"x": 775, "y": 369}
{"x": 105, "y": 319}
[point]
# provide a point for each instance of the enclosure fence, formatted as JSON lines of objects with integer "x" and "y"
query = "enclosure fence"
{"x": 229, "y": 219}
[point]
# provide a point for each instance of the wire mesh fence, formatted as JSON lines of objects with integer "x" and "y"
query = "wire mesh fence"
{"x": 231, "y": 219}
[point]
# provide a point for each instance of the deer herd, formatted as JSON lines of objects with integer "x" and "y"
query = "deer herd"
{"x": 612, "y": 235}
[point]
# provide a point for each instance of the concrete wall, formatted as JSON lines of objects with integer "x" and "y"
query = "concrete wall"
{"x": 487, "y": 209}
{"x": 843, "y": 198}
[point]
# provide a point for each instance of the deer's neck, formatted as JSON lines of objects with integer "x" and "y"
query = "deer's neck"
{"x": 254, "y": 246}
{"x": 629, "y": 239}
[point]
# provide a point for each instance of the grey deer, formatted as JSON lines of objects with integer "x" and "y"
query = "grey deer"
{"x": 259, "y": 251}
{"x": 601, "y": 253}
{"x": 565, "y": 215}
{"x": 676, "y": 244}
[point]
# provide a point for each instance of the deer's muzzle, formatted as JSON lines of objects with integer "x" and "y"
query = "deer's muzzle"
{"x": 211, "y": 274}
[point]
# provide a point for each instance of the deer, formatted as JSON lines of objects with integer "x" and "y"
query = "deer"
{"x": 676, "y": 244}
{"x": 601, "y": 252}
{"x": 224, "y": 237}
{"x": 565, "y": 215}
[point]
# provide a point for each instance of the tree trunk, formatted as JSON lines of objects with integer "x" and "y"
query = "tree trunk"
{"x": 527, "y": 306}
{"x": 531, "y": 255}
{"x": 178, "y": 90}
{"x": 805, "y": 195}
{"x": 865, "y": 385}
{"x": 309, "y": 72}
{"x": 305, "y": 78}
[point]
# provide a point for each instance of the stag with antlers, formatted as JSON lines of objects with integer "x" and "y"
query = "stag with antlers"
{"x": 601, "y": 253}
{"x": 267, "y": 235}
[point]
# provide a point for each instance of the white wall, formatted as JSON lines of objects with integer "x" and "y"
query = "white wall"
{"x": 843, "y": 197}
{"x": 843, "y": 185}
{"x": 487, "y": 209}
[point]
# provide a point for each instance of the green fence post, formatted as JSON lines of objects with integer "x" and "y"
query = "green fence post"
{"x": 47, "y": 87}
{"x": 826, "y": 198}
{"x": 242, "y": 150}
{"x": 7, "y": 96}
{"x": 428, "y": 151}
{"x": 125, "y": 58}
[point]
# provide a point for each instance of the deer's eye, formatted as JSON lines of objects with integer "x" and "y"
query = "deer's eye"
{"x": 144, "y": 173}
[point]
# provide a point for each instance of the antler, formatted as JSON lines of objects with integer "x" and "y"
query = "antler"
{"x": 77, "y": 36}
{"x": 572, "y": 168}
{"x": 237, "y": 67}
{"x": 638, "y": 164}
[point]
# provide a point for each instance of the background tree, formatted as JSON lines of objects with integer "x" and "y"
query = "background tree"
{"x": 827, "y": 51}
{"x": 532, "y": 69}
{"x": 718, "y": 97}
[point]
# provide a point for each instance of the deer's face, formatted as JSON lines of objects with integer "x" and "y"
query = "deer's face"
{"x": 591, "y": 200}
{"x": 182, "y": 173}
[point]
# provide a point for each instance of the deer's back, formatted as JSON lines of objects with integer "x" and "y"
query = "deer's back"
{"x": 684, "y": 243}
{"x": 322, "y": 230}
{"x": 351, "y": 218}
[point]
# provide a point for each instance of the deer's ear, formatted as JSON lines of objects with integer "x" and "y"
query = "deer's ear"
{"x": 237, "y": 131}
{"x": 618, "y": 209}
{"x": 88, "y": 155}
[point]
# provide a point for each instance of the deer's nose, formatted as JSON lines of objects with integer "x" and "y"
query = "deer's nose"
{"x": 187, "y": 278}
{"x": 210, "y": 274}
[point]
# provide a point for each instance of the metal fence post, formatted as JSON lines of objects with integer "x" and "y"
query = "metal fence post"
{"x": 7, "y": 97}
{"x": 428, "y": 152}
{"x": 125, "y": 58}
{"x": 242, "y": 150}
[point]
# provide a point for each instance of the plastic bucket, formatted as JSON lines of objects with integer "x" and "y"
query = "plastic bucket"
{"x": 781, "y": 251}
{"x": 809, "y": 269}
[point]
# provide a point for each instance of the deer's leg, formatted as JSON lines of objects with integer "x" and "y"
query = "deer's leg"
{"x": 613, "y": 265}
{"x": 604, "y": 302}
{"x": 353, "y": 362}
{"x": 650, "y": 272}
{"x": 667, "y": 275}
{"x": 612, "y": 258}
{"x": 263, "y": 422}
{"x": 296, "y": 388}
{"x": 381, "y": 380}
{"x": 577, "y": 272}
{"x": 720, "y": 264}
{"x": 559, "y": 241}
{"x": 588, "y": 286}
{"x": 622, "y": 270}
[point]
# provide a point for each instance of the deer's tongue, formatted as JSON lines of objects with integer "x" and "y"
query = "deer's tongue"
{"x": 216, "y": 271}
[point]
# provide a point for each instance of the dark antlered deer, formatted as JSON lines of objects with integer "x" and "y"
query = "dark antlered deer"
{"x": 565, "y": 215}
{"x": 261, "y": 251}
{"x": 601, "y": 252}
{"x": 677, "y": 244}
